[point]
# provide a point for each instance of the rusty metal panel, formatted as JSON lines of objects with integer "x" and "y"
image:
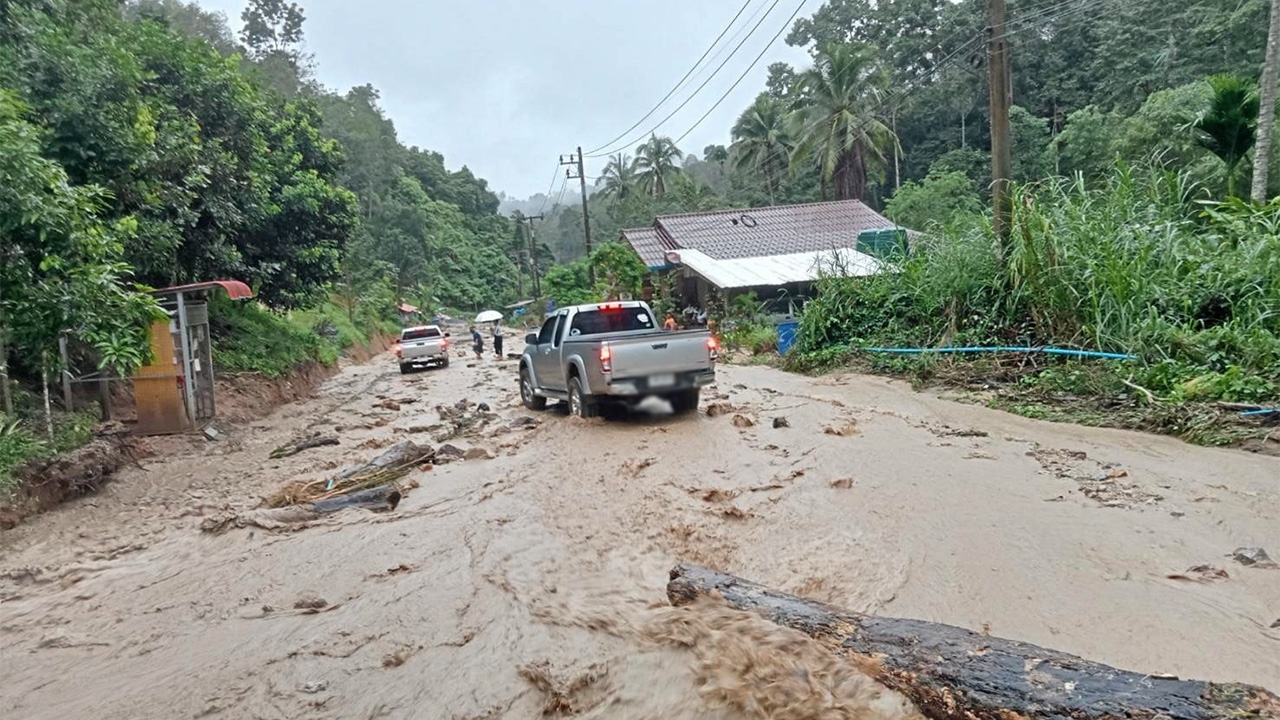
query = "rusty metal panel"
{"x": 157, "y": 394}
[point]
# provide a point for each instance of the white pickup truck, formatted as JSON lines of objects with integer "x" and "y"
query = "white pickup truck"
{"x": 589, "y": 355}
{"x": 423, "y": 345}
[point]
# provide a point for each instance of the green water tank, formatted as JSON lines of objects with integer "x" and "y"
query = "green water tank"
{"x": 883, "y": 243}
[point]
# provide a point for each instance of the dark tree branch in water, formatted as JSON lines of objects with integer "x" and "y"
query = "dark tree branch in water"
{"x": 955, "y": 674}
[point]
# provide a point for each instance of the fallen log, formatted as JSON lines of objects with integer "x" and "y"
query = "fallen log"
{"x": 293, "y": 517}
{"x": 298, "y": 446}
{"x": 955, "y": 674}
{"x": 378, "y": 499}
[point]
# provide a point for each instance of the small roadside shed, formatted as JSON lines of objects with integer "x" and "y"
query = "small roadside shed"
{"x": 175, "y": 392}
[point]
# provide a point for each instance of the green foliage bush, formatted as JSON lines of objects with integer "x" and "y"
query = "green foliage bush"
{"x": 248, "y": 337}
{"x": 1130, "y": 263}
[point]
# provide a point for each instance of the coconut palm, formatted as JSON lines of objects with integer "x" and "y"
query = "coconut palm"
{"x": 656, "y": 164}
{"x": 762, "y": 141}
{"x": 618, "y": 179}
{"x": 836, "y": 123}
{"x": 1229, "y": 127}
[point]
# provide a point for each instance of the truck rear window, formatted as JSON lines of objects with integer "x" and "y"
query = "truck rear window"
{"x": 420, "y": 333}
{"x": 595, "y": 322}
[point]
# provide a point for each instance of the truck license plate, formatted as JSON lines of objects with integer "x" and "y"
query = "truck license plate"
{"x": 666, "y": 380}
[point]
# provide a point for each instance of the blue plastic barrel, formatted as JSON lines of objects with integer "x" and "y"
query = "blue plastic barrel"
{"x": 787, "y": 335}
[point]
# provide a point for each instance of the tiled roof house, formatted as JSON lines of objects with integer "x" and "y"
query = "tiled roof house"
{"x": 761, "y": 247}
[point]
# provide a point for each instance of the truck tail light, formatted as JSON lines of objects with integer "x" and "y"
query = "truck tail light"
{"x": 606, "y": 358}
{"x": 610, "y": 307}
{"x": 713, "y": 349}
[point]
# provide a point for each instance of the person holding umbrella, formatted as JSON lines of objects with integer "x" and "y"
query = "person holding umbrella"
{"x": 495, "y": 317}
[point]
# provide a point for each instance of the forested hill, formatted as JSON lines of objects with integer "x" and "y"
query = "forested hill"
{"x": 147, "y": 141}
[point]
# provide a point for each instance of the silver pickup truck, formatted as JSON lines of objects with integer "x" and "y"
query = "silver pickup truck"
{"x": 589, "y": 355}
{"x": 423, "y": 345}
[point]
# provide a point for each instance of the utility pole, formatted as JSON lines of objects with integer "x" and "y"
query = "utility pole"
{"x": 586, "y": 217}
{"x": 1267, "y": 109}
{"x": 1001, "y": 90}
{"x": 533, "y": 257}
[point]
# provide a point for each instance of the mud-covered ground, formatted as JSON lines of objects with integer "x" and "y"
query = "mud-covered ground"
{"x": 532, "y": 581}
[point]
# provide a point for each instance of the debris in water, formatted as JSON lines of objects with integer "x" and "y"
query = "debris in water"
{"x": 448, "y": 453}
{"x": 310, "y": 602}
{"x": 842, "y": 483}
{"x": 482, "y": 407}
{"x": 564, "y": 697}
{"x": 389, "y": 404}
{"x": 845, "y": 430}
{"x": 1201, "y": 573}
{"x": 948, "y": 431}
{"x": 781, "y": 422}
{"x": 477, "y": 453}
{"x": 718, "y": 409}
{"x": 742, "y": 421}
{"x": 315, "y": 686}
{"x": 396, "y": 659}
{"x": 1254, "y": 557}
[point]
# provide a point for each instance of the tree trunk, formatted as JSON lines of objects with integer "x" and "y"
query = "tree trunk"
{"x": 44, "y": 384}
{"x": 5, "y": 389}
{"x": 897, "y": 172}
{"x": 851, "y": 175}
{"x": 963, "y": 139}
{"x": 955, "y": 674}
{"x": 1267, "y": 110}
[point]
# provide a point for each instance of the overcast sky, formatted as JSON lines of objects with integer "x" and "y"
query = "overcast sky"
{"x": 505, "y": 86}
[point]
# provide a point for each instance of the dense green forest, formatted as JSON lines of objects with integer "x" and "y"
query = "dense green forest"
{"x": 145, "y": 144}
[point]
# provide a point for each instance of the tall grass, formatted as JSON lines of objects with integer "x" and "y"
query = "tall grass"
{"x": 1136, "y": 263}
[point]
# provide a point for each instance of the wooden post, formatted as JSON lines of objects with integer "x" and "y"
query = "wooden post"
{"x": 104, "y": 394}
{"x": 1001, "y": 89}
{"x": 68, "y": 402}
{"x": 1267, "y": 110}
{"x": 188, "y": 377}
{"x": 4, "y": 368}
{"x": 44, "y": 384}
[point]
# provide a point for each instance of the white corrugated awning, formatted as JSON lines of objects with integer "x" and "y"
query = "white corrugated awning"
{"x": 771, "y": 270}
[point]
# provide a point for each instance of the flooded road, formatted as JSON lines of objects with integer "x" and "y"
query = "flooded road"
{"x": 531, "y": 581}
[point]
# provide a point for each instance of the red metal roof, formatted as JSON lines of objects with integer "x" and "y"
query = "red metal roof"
{"x": 407, "y": 308}
{"x": 766, "y": 231}
{"x": 236, "y": 290}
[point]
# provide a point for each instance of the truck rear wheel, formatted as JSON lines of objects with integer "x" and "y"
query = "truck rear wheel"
{"x": 406, "y": 368}
{"x": 580, "y": 403}
{"x": 685, "y": 401}
{"x": 531, "y": 400}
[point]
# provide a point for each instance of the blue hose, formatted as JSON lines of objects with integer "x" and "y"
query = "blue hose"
{"x": 1265, "y": 411}
{"x": 1046, "y": 350}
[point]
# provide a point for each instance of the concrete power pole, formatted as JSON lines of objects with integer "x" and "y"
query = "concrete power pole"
{"x": 1000, "y": 83}
{"x": 1267, "y": 110}
{"x": 586, "y": 217}
{"x": 533, "y": 257}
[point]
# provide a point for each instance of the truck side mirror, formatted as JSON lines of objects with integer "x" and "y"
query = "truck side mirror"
{"x": 531, "y": 339}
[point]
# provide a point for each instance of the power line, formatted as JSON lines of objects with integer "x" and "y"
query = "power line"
{"x": 750, "y": 67}
{"x": 555, "y": 173}
{"x": 695, "y": 92}
{"x": 679, "y": 84}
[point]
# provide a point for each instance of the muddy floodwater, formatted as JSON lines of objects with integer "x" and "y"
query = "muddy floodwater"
{"x": 528, "y": 580}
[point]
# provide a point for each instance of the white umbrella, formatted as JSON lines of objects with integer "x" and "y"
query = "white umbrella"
{"x": 488, "y": 316}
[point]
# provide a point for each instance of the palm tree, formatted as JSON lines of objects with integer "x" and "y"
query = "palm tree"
{"x": 837, "y": 127}
{"x": 1229, "y": 127}
{"x": 656, "y": 164}
{"x": 618, "y": 178}
{"x": 762, "y": 141}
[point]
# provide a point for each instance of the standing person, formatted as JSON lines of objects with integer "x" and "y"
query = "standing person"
{"x": 497, "y": 339}
{"x": 477, "y": 343}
